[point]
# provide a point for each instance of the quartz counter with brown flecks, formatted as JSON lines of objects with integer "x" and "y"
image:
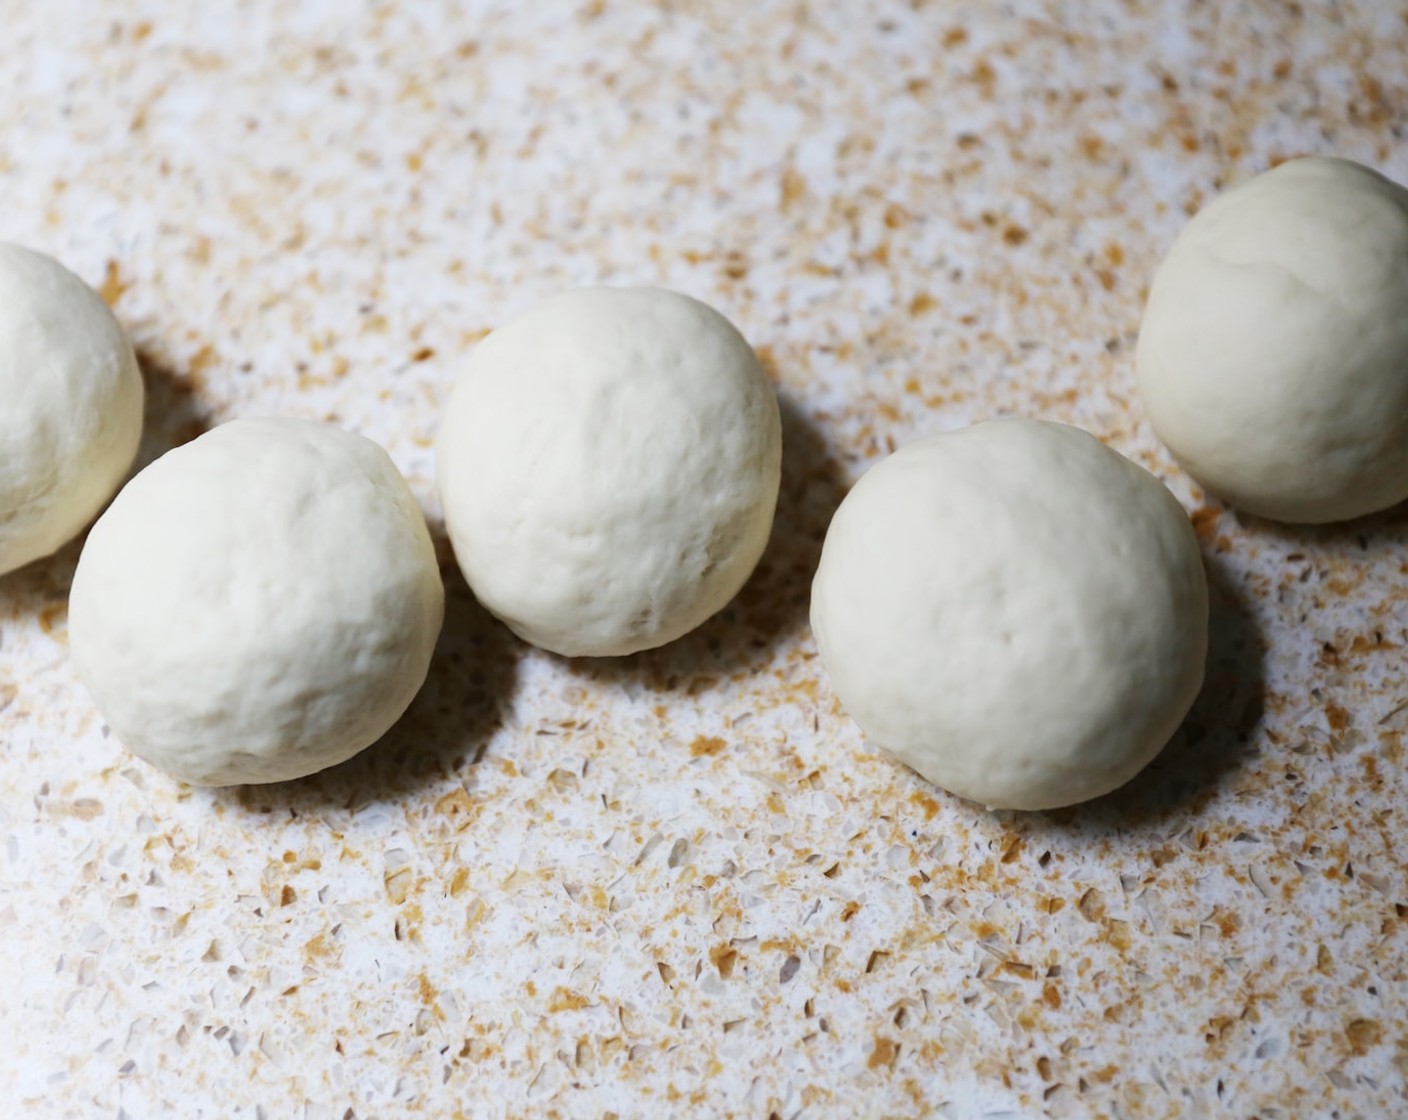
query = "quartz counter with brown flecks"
{"x": 680, "y": 884}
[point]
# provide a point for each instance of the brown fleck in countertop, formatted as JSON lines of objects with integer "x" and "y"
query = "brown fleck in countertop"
{"x": 680, "y": 883}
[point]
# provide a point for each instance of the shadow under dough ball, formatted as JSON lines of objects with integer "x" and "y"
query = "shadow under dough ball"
{"x": 70, "y": 405}
{"x": 258, "y": 604}
{"x": 1273, "y": 354}
{"x": 1014, "y": 610}
{"x": 609, "y": 465}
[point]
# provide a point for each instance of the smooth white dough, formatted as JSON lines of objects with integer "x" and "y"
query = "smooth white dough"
{"x": 70, "y": 405}
{"x": 609, "y": 464}
{"x": 1014, "y": 610}
{"x": 1273, "y": 356}
{"x": 258, "y": 604}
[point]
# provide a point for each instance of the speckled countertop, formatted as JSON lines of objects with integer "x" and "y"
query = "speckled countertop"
{"x": 680, "y": 884}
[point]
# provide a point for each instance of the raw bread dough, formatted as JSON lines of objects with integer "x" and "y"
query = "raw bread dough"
{"x": 1273, "y": 357}
{"x": 1014, "y": 610}
{"x": 609, "y": 465}
{"x": 70, "y": 405}
{"x": 258, "y": 604}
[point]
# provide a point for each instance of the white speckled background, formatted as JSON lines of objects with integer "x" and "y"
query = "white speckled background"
{"x": 680, "y": 884}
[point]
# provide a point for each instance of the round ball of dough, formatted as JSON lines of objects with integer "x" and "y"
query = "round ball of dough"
{"x": 258, "y": 604}
{"x": 609, "y": 465}
{"x": 1014, "y": 610}
{"x": 70, "y": 405}
{"x": 1273, "y": 357}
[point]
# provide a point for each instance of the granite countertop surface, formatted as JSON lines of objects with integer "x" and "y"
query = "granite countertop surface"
{"x": 680, "y": 883}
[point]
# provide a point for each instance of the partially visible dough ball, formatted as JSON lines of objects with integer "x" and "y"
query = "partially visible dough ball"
{"x": 70, "y": 405}
{"x": 1273, "y": 357}
{"x": 1014, "y": 610}
{"x": 609, "y": 466}
{"x": 258, "y": 604}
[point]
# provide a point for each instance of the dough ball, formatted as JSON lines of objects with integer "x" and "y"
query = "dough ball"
{"x": 1273, "y": 357}
{"x": 70, "y": 405}
{"x": 609, "y": 464}
{"x": 258, "y": 604}
{"x": 1014, "y": 610}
